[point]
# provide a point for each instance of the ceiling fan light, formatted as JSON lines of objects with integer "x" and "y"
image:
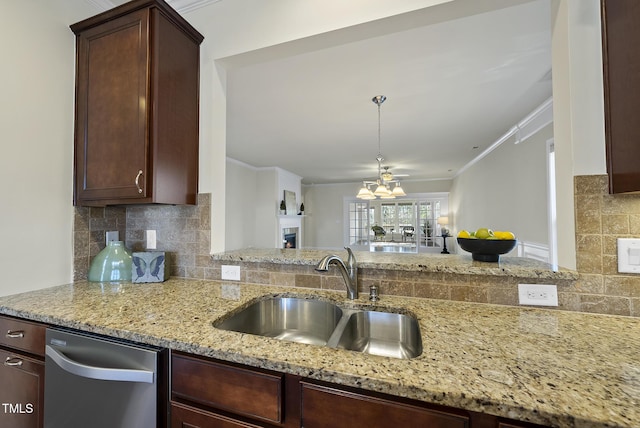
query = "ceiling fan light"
{"x": 398, "y": 191}
{"x": 365, "y": 193}
{"x": 381, "y": 190}
{"x": 387, "y": 176}
{"x": 389, "y": 194}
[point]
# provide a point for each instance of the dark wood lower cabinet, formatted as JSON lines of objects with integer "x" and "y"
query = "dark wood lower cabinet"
{"x": 21, "y": 373}
{"x": 208, "y": 393}
{"x": 22, "y": 390}
{"x": 183, "y": 416}
{"x": 242, "y": 391}
{"x": 325, "y": 406}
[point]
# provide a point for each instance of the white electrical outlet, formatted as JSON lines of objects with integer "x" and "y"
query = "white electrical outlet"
{"x": 538, "y": 294}
{"x": 151, "y": 240}
{"x": 231, "y": 273}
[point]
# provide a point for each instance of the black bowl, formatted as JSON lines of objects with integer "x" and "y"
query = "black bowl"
{"x": 487, "y": 250}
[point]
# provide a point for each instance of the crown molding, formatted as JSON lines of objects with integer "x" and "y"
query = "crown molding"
{"x": 185, "y": 6}
{"x": 181, "y": 6}
{"x": 102, "y": 5}
{"x": 535, "y": 121}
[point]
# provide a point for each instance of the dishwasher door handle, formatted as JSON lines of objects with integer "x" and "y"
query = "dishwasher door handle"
{"x": 100, "y": 373}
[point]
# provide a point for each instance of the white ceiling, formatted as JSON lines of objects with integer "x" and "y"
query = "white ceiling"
{"x": 450, "y": 86}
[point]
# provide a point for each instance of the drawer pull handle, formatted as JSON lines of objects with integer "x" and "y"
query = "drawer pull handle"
{"x": 16, "y": 334}
{"x": 138, "y": 181}
{"x": 13, "y": 362}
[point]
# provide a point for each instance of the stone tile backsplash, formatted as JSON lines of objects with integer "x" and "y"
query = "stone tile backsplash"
{"x": 601, "y": 218}
{"x": 89, "y": 227}
{"x": 184, "y": 232}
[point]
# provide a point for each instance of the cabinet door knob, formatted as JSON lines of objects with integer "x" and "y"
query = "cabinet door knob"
{"x": 13, "y": 362}
{"x": 138, "y": 180}
{"x": 15, "y": 334}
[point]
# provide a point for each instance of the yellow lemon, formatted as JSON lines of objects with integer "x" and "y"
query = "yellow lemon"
{"x": 506, "y": 235}
{"x": 464, "y": 234}
{"x": 483, "y": 233}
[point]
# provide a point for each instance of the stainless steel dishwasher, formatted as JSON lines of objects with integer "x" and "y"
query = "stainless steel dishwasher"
{"x": 97, "y": 382}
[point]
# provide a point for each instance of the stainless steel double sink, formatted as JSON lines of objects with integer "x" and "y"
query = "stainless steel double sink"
{"x": 323, "y": 323}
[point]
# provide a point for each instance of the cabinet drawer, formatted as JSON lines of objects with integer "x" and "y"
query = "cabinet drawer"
{"x": 23, "y": 335}
{"x": 189, "y": 417}
{"x": 324, "y": 406}
{"x": 246, "y": 392}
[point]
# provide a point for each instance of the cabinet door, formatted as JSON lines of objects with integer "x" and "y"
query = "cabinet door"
{"x": 324, "y": 406}
{"x": 111, "y": 141}
{"x": 22, "y": 391}
{"x": 621, "y": 62}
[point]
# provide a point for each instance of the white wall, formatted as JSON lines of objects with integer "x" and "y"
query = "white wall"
{"x": 36, "y": 131}
{"x": 506, "y": 190}
{"x": 253, "y": 202}
{"x": 240, "y": 226}
{"x": 324, "y": 221}
{"x": 265, "y": 208}
{"x": 577, "y": 108}
{"x": 291, "y": 182}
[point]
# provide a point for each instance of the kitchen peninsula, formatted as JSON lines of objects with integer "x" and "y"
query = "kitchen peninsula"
{"x": 431, "y": 263}
{"x": 554, "y": 368}
{"x": 436, "y": 276}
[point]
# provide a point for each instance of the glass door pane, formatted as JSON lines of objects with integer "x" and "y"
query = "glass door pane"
{"x": 428, "y": 213}
{"x": 388, "y": 219}
{"x": 359, "y": 222}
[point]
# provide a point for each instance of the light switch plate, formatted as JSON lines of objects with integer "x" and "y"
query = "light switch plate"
{"x": 628, "y": 255}
{"x": 112, "y": 235}
{"x": 151, "y": 240}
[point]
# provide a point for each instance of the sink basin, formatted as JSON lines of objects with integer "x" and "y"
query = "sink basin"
{"x": 295, "y": 319}
{"x": 382, "y": 333}
{"x": 317, "y": 322}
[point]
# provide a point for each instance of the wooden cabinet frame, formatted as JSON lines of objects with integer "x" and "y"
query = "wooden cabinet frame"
{"x": 137, "y": 107}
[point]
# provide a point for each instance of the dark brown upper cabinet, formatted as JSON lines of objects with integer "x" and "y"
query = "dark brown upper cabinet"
{"x": 621, "y": 70}
{"x": 136, "y": 111}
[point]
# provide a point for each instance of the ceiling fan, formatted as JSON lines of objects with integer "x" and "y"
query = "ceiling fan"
{"x": 387, "y": 175}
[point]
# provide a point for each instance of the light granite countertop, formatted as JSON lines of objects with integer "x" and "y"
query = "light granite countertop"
{"x": 562, "y": 369}
{"x": 461, "y": 264}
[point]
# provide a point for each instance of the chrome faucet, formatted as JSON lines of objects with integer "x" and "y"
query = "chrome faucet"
{"x": 349, "y": 271}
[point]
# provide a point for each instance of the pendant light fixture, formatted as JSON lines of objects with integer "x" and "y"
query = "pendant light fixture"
{"x": 382, "y": 184}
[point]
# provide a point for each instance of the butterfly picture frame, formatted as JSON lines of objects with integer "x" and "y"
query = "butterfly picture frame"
{"x": 148, "y": 266}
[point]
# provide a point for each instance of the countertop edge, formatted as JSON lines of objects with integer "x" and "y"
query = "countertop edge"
{"x": 457, "y": 264}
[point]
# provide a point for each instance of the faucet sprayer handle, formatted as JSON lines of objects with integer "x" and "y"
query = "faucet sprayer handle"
{"x": 351, "y": 261}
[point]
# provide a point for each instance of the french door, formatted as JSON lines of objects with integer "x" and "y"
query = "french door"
{"x": 409, "y": 225}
